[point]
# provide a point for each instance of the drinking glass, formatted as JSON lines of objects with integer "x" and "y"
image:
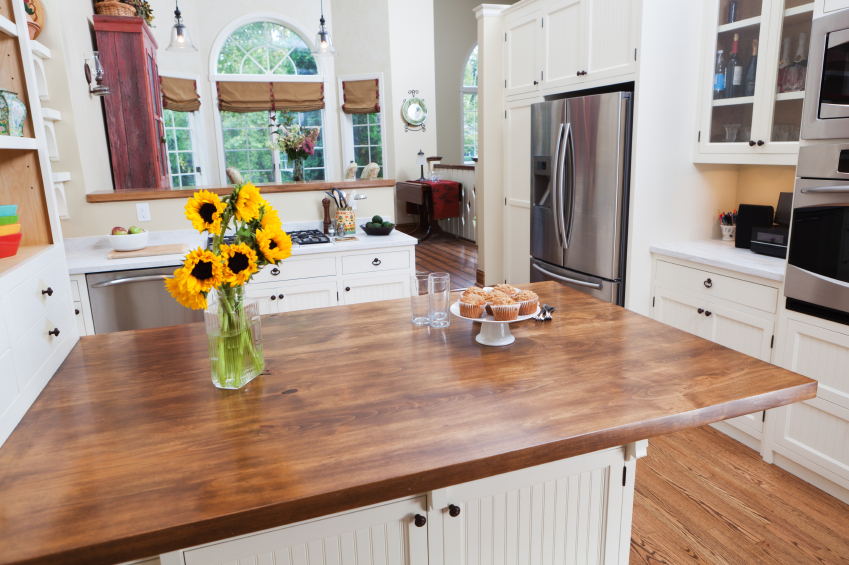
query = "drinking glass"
{"x": 419, "y": 299}
{"x": 439, "y": 293}
{"x": 731, "y": 132}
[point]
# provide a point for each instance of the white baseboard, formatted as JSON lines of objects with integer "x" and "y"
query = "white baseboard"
{"x": 734, "y": 433}
{"x": 809, "y": 476}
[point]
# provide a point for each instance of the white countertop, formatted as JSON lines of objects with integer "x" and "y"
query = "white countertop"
{"x": 88, "y": 254}
{"x": 724, "y": 255}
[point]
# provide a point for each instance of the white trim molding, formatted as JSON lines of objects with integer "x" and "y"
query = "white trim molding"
{"x": 490, "y": 10}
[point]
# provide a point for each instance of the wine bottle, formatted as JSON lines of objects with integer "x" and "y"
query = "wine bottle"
{"x": 719, "y": 77}
{"x": 733, "y": 72}
{"x": 751, "y": 72}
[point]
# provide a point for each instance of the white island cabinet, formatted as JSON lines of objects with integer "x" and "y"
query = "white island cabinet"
{"x": 577, "y": 510}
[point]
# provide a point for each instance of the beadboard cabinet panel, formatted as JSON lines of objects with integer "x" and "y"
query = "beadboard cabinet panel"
{"x": 521, "y": 56}
{"x": 382, "y": 535}
{"x": 563, "y": 36}
{"x": 820, "y": 354}
{"x": 5, "y": 344}
{"x": 680, "y": 311}
{"x": 307, "y": 296}
{"x": 8, "y": 381}
{"x": 612, "y": 38}
{"x": 390, "y": 287}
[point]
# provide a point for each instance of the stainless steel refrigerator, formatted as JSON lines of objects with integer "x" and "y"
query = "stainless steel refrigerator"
{"x": 581, "y": 150}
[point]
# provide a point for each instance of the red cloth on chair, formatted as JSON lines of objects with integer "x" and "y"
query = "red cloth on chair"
{"x": 446, "y": 199}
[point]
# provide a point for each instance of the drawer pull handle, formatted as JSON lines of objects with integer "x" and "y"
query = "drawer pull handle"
{"x": 347, "y": 289}
{"x": 76, "y": 311}
{"x": 420, "y": 520}
{"x": 48, "y": 292}
{"x": 701, "y": 310}
{"x": 708, "y": 313}
{"x": 280, "y": 297}
{"x": 275, "y": 271}
{"x": 54, "y": 332}
{"x": 376, "y": 262}
{"x": 273, "y": 297}
{"x": 708, "y": 283}
{"x": 453, "y": 510}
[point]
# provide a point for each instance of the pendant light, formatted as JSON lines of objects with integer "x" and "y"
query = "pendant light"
{"x": 180, "y": 40}
{"x": 323, "y": 42}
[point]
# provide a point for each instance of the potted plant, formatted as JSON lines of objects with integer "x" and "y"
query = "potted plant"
{"x": 297, "y": 142}
{"x": 126, "y": 8}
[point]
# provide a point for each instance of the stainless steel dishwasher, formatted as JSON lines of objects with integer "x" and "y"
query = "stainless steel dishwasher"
{"x": 135, "y": 300}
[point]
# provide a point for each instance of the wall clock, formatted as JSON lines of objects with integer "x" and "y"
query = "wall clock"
{"x": 414, "y": 112}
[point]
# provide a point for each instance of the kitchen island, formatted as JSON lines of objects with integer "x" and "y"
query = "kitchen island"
{"x": 425, "y": 447}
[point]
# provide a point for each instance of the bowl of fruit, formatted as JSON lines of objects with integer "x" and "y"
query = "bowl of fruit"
{"x": 378, "y": 227}
{"x": 132, "y": 239}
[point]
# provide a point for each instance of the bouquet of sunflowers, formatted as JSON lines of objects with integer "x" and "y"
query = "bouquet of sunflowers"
{"x": 214, "y": 279}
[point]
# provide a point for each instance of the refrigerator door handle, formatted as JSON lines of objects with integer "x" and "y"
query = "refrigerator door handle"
{"x": 566, "y": 224}
{"x": 597, "y": 286}
{"x": 558, "y": 180}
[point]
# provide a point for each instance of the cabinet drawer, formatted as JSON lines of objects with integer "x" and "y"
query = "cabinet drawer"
{"x": 710, "y": 284}
{"x": 8, "y": 382}
{"x": 302, "y": 269}
{"x": 36, "y": 346}
{"x": 373, "y": 262}
{"x": 382, "y": 534}
{"x": 30, "y": 301}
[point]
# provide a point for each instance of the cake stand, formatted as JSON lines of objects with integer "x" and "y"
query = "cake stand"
{"x": 493, "y": 332}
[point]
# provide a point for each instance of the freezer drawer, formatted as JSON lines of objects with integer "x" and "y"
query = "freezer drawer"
{"x": 594, "y": 286}
{"x": 135, "y": 300}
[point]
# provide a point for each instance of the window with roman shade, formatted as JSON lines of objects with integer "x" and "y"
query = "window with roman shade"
{"x": 179, "y": 94}
{"x": 361, "y": 96}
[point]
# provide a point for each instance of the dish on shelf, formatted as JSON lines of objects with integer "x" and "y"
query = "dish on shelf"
{"x": 128, "y": 242}
{"x": 10, "y": 229}
{"x": 9, "y": 245}
{"x": 9, "y": 210}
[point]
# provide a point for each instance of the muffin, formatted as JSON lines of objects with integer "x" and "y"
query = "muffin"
{"x": 472, "y": 305}
{"x": 504, "y": 308}
{"x": 528, "y": 301}
{"x": 489, "y": 296}
{"x": 474, "y": 290}
{"x": 506, "y": 289}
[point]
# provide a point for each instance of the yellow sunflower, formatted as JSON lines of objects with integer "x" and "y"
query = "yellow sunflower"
{"x": 239, "y": 263}
{"x": 275, "y": 245}
{"x": 248, "y": 203}
{"x": 270, "y": 219}
{"x": 204, "y": 210}
{"x": 201, "y": 272}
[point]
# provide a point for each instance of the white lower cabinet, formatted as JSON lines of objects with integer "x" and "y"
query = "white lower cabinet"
{"x": 8, "y": 380}
{"x": 358, "y": 291}
{"x": 294, "y": 296}
{"x": 815, "y": 433}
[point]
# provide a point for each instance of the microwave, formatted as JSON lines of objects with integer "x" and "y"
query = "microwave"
{"x": 826, "y": 109}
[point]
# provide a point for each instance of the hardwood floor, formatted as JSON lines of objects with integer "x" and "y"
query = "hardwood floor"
{"x": 704, "y": 499}
{"x": 457, "y": 257}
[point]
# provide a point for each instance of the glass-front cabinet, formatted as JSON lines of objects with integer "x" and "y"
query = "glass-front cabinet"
{"x": 755, "y": 58}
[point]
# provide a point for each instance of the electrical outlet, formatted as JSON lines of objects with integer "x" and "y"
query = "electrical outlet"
{"x": 143, "y": 210}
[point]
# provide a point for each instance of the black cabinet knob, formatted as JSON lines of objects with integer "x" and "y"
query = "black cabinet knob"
{"x": 347, "y": 289}
{"x": 708, "y": 283}
{"x": 701, "y": 310}
{"x": 280, "y": 296}
{"x": 760, "y": 142}
{"x": 77, "y": 312}
{"x": 708, "y": 313}
{"x": 578, "y": 73}
{"x": 536, "y": 83}
{"x": 376, "y": 262}
{"x": 751, "y": 143}
{"x": 453, "y": 510}
{"x": 54, "y": 332}
{"x": 275, "y": 271}
{"x": 48, "y": 292}
{"x": 420, "y": 520}
{"x": 273, "y": 297}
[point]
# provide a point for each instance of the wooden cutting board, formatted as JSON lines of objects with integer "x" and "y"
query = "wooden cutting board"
{"x": 151, "y": 251}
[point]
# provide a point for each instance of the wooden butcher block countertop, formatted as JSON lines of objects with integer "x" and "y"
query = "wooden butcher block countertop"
{"x": 130, "y": 451}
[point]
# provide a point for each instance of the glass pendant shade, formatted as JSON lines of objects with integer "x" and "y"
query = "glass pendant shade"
{"x": 323, "y": 42}
{"x": 180, "y": 40}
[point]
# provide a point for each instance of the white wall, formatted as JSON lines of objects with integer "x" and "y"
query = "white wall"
{"x": 672, "y": 199}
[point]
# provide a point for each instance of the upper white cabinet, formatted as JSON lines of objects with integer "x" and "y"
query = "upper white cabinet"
{"x": 753, "y": 115}
{"x": 557, "y": 45}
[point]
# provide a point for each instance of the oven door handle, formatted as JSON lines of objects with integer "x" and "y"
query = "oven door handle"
{"x": 597, "y": 286}
{"x": 131, "y": 280}
{"x": 826, "y": 190}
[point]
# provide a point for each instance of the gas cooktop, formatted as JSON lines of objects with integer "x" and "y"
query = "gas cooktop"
{"x": 303, "y": 237}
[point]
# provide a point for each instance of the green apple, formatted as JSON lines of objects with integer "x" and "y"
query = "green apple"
{"x": 134, "y": 230}
{"x": 385, "y": 224}
{"x": 118, "y": 230}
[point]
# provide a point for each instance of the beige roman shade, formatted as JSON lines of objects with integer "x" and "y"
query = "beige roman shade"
{"x": 361, "y": 96}
{"x": 244, "y": 97}
{"x": 179, "y": 94}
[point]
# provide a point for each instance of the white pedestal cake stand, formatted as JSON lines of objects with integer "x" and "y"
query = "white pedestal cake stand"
{"x": 493, "y": 332}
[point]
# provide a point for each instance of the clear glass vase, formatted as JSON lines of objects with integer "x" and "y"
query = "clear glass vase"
{"x": 298, "y": 169}
{"x": 235, "y": 338}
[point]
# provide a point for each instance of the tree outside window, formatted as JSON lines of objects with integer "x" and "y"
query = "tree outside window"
{"x": 368, "y": 141}
{"x": 469, "y": 92}
{"x": 181, "y": 152}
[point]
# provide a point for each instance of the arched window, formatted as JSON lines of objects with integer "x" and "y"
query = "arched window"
{"x": 274, "y": 50}
{"x": 469, "y": 92}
